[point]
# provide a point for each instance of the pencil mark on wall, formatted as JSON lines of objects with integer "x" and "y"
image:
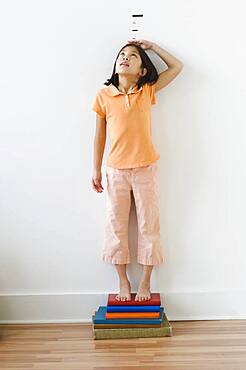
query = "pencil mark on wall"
{"x": 136, "y": 23}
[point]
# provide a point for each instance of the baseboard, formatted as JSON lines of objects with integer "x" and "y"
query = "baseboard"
{"x": 79, "y": 307}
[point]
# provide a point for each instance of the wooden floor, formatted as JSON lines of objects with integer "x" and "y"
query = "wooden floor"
{"x": 195, "y": 345}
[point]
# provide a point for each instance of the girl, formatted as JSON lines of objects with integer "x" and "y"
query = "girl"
{"x": 124, "y": 106}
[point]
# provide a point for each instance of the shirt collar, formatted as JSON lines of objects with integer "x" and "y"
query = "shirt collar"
{"x": 113, "y": 91}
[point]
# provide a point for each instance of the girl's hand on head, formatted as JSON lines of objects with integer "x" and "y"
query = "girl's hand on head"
{"x": 97, "y": 181}
{"x": 143, "y": 43}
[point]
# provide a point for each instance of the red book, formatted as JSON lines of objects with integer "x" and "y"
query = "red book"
{"x": 154, "y": 301}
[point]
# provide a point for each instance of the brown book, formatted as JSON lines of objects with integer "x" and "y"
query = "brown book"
{"x": 118, "y": 326}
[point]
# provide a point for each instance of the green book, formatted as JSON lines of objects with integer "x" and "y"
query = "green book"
{"x": 164, "y": 331}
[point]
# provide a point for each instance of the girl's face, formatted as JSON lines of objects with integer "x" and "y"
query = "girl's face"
{"x": 129, "y": 62}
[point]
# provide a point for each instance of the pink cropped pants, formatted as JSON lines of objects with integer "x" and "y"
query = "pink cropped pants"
{"x": 144, "y": 183}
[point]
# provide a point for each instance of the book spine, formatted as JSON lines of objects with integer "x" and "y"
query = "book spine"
{"x": 122, "y": 326}
{"x": 133, "y": 303}
{"x": 131, "y": 333}
{"x": 132, "y": 315}
{"x": 133, "y": 308}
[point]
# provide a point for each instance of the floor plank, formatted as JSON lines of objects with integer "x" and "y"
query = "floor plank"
{"x": 195, "y": 345}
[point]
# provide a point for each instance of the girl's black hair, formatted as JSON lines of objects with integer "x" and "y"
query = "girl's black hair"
{"x": 151, "y": 76}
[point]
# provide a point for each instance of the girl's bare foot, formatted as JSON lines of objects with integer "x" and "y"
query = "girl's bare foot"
{"x": 143, "y": 293}
{"x": 125, "y": 291}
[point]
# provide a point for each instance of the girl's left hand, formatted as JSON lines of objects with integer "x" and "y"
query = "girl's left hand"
{"x": 143, "y": 43}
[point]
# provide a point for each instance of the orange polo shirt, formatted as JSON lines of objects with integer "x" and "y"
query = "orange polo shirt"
{"x": 128, "y": 117}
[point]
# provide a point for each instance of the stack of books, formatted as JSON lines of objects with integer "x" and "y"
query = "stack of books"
{"x": 131, "y": 319}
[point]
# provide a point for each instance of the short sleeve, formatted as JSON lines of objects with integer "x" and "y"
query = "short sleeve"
{"x": 152, "y": 94}
{"x": 98, "y": 105}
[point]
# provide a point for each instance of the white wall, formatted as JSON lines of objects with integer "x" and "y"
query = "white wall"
{"x": 54, "y": 57}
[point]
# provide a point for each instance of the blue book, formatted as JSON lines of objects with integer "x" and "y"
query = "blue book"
{"x": 100, "y": 318}
{"x": 133, "y": 308}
